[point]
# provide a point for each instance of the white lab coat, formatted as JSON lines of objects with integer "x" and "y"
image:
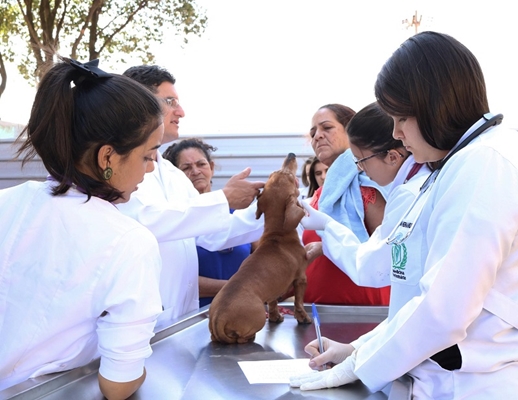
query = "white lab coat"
{"x": 64, "y": 261}
{"x": 167, "y": 203}
{"x": 460, "y": 281}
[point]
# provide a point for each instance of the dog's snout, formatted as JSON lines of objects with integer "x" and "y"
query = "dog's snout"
{"x": 290, "y": 162}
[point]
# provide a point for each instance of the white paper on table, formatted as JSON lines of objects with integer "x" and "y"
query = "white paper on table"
{"x": 274, "y": 371}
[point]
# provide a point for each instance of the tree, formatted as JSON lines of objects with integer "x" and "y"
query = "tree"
{"x": 84, "y": 30}
{"x": 8, "y": 29}
{"x": 3, "y": 75}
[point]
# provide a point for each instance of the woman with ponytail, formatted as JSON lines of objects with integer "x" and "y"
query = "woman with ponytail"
{"x": 78, "y": 279}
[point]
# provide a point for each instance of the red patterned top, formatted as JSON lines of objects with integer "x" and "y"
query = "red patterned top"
{"x": 327, "y": 284}
{"x": 368, "y": 197}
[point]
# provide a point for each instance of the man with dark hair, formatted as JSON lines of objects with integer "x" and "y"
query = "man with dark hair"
{"x": 161, "y": 83}
{"x": 168, "y": 204}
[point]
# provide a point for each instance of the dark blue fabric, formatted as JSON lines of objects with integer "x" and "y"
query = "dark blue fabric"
{"x": 220, "y": 264}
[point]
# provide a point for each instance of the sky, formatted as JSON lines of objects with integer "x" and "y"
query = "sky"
{"x": 265, "y": 66}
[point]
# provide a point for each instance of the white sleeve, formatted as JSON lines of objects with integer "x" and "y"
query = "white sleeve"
{"x": 178, "y": 220}
{"x": 368, "y": 263}
{"x": 367, "y": 336}
{"x": 128, "y": 291}
{"x": 172, "y": 209}
{"x": 363, "y": 262}
{"x": 244, "y": 228}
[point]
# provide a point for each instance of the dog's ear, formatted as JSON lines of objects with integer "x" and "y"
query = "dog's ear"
{"x": 292, "y": 215}
{"x": 259, "y": 210}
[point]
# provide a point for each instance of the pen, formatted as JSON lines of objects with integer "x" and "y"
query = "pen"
{"x": 316, "y": 319}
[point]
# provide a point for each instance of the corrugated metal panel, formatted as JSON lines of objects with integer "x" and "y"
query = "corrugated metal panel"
{"x": 263, "y": 153}
{"x": 11, "y": 172}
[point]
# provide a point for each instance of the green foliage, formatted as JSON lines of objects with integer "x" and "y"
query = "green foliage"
{"x": 9, "y": 15}
{"x": 85, "y": 30}
{"x": 8, "y": 18}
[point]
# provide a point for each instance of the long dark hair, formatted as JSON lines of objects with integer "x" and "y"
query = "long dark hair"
{"x": 313, "y": 184}
{"x": 69, "y": 124}
{"x": 436, "y": 79}
{"x": 304, "y": 175}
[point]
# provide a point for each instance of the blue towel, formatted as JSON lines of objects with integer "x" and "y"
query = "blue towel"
{"x": 341, "y": 197}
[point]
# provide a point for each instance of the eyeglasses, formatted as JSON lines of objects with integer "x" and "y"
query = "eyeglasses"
{"x": 172, "y": 102}
{"x": 362, "y": 160}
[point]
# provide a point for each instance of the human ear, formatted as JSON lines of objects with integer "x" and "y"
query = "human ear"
{"x": 103, "y": 156}
{"x": 393, "y": 157}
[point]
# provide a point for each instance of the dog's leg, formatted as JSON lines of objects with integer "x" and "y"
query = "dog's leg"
{"x": 273, "y": 312}
{"x": 299, "y": 287}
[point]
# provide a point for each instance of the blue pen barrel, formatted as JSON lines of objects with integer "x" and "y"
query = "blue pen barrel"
{"x": 316, "y": 321}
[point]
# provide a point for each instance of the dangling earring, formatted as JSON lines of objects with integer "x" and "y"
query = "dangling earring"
{"x": 107, "y": 173}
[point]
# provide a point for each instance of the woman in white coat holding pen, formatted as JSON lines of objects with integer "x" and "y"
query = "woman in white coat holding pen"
{"x": 452, "y": 326}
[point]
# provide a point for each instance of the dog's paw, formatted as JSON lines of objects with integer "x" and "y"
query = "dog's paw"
{"x": 276, "y": 318}
{"x": 303, "y": 319}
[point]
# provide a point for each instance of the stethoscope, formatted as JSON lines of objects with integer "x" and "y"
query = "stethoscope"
{"x": 407, "y": 223}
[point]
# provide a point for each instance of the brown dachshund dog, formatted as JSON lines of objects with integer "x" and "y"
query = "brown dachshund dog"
{"x": 279, "y": 262}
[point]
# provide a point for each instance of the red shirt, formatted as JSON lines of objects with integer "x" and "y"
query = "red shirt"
{"x": 327, "y": 284}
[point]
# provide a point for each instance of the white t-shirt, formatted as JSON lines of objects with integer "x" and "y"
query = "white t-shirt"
{"x": 78, "y": 280}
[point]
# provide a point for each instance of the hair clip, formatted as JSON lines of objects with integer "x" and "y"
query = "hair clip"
{"x": 88, "y": 70}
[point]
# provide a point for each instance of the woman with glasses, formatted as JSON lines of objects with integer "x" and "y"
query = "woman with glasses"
{"x": 194, "y": 158}
{"x": 351, "y": 198}
{"x": 374, "y": 150}
{"x": 452, "y": 326}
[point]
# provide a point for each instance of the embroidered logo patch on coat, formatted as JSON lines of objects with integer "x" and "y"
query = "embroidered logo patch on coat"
{"x": 399, "y": 259}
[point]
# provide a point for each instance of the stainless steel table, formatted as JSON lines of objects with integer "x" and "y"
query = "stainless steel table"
{"x": 186, "y": 365}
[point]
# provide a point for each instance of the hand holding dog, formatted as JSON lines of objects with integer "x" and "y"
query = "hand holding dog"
{"x": 239, "y": 192}
{"x": 313, "y": 250}
{"x": 314, "y": 220}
